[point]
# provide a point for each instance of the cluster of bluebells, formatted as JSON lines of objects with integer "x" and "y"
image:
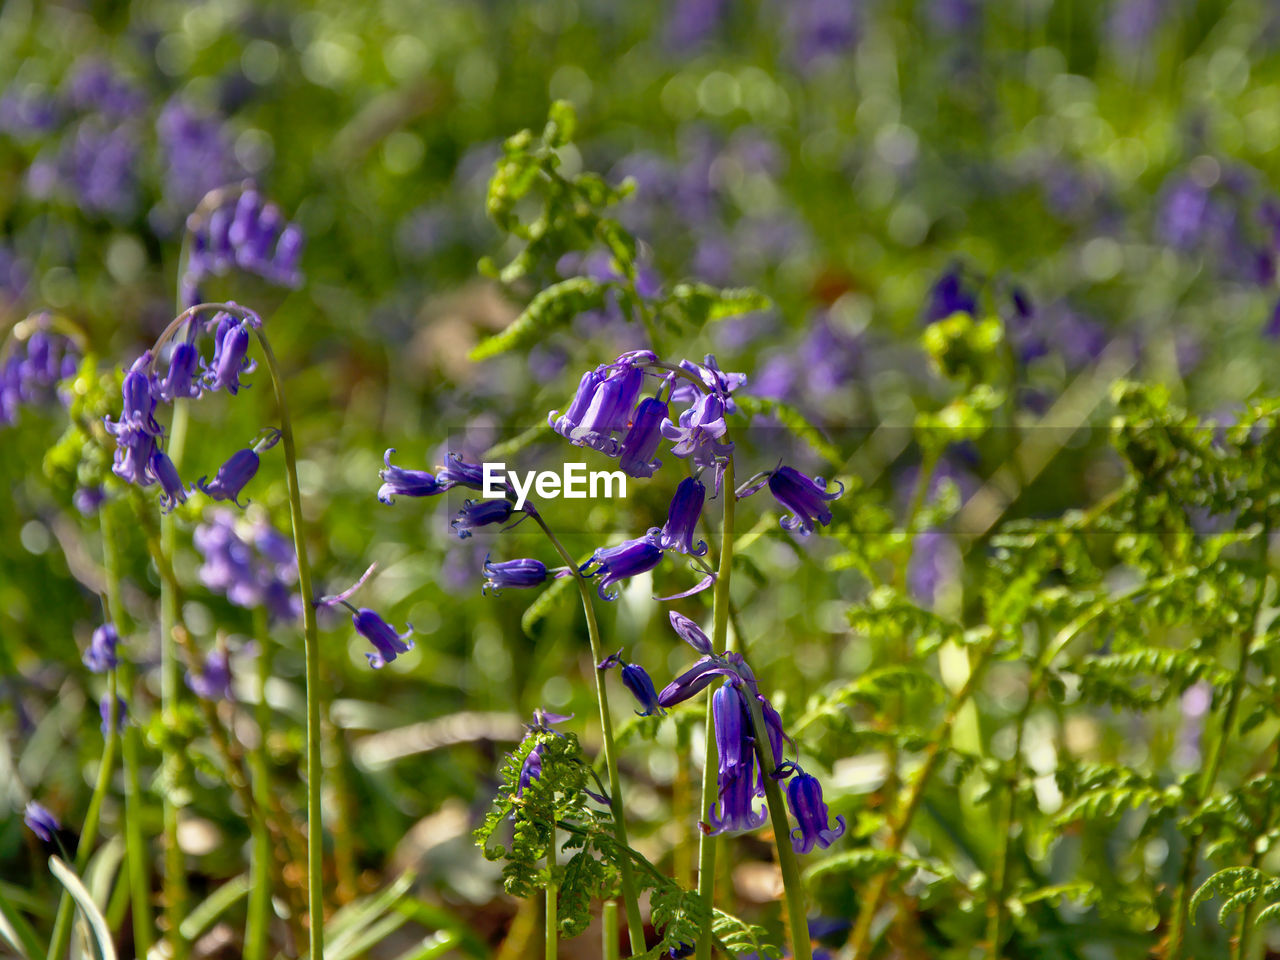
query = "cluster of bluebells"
{"x": 140, "y": 457}
{"x": 735, "y": 704}
{"x": 245, "y": 232}
{"x": 610, "y": 412}
{"x": 32, "y": 370}
{"x": 251, "y": 563}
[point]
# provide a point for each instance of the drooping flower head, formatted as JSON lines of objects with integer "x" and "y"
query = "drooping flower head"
{"x": 232, "y": 476}
{"x": 213, "y": 681}
{"x": 682, "y": 520}
{"x": 690, "y": 633}
{"x": 459, "y": 473}
{"x": 525, "y": 572}
{"x": 734, "y": 744}
{"x": 480, "y": 513}
{"x": 230, "y": 355}
{"x": 804, "y": 797}
{"x": 172, "y": 490}
{"x": 377, "y": 631}
{"x": 101, "y": 655}
{"x": 642, "y": 439}
{"x": 637, "y": 680}
{"x": 805, "y": 497}
{"x": 401, "y": 482}
{"x": 42, "y": 823}
{"x": 615, "y": 564}
{"x": 734, "y": 810}
{"x": 181, "y": 382}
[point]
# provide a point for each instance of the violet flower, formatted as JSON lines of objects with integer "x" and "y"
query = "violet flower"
{"x": 213, "y": 682}
{"x": 513, "y": 573}
{"x": 162, "y": 468}
{"x": 734, "y": 743}
{"x": 613, "y": 564}
{"x": 42, "y": 823}
{"x": 690, "y": 633}
{"x": 637, "y": 680}
{"x": 400, "y": 482}
{"x": 232, "y": 477}
{"x": 459, "y": 473}
{"x": 101, "y": 655}
{"x": 804, "y": 797}
{"x": 377, "y": 631}
{"x": 734, "y": 811}
{"x": 181, "y": 382}
{"x": 806, "y": 498}
{"x": 230, "y": 359}
{"x": 530, "y": 770}
{"x": 480, "y": 513}
{"x": 682, "y": 520}
{"x": 642, "y": 439}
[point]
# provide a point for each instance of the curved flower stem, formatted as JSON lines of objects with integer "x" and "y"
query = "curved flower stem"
{"x": 175, "y": 876}
{"x": 552, "y": 939}
{"x": 792, "y": 885}
{"x": 315, "y": 827}
{"x": 720, "y": 640}
{"x": 61, "y": 937}
{"x": 635, "y": 925}
{"x": 135, "y": 847}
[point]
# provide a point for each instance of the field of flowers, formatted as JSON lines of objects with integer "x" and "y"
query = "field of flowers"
{"x": 536, "y": 478}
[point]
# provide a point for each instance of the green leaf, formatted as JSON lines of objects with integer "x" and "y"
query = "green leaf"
{"x": 97, "y": 923}
{"x": 551, "y": 308}
{"x": 700, "y": 303}
{"x": 213, "y": 906}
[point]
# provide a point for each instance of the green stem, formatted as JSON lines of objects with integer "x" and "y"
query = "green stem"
{"x": 635, "y": 925}
{"x": 258, "y": 922}
{"x": 315, "y": 828}
{"x": 174, "y": 883}
{"x": 792, "y": 885}
{"x": 707, "y": 844}
{"x": 609, "y": 918}
{"x": 552, "y": 937}
{"x": 62, "y": 923}
{"x": 135, "y": 847}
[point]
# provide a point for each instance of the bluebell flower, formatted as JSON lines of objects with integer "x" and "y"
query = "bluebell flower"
{"x": 140, "y": 391}
{"x": 609, "y": 411}
{"x": 230, "y": 360}
{"x": 734, "y": 742}
{"x": 804, "y": 797}
{"x": 806, "y": 498}
{"x": 716, "y": 381}
{"x": 42, "y": 823}
{"x": 399, "y": 482}
{"x": 699, "y": 429}
{"x": 377, "y": 631}
{"x": 162, "y": 468}
{"x": 642, "y": 439}
{"x": 213, "y": 682}
{"x": 734, "y": 811}
{"x": 460, "y": 473}
{"x": 773, "y": 730}
{"x": 249, "y": 574}
{"x": 949, "y": 294}
{"x": 513, "y": 573}
{"x": 87, "y": 500}
{"x": 690, "y": 633}
{"x": 694, "y": 680}
{"x": 682, "y": 520}
{"x": 480, "y": 513}
{"x": 101, "y": 655}
{"x": 181, "y": 382}
{"x": 132, "y": 459}
{"x": 564, "y": 424}
{"x": 232, "y": 477}
{"x": 626, "y": 560}
{"x": 530, "y": 770}
{"x": 122, "y": 714}
{"x": 637, "y": 680}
